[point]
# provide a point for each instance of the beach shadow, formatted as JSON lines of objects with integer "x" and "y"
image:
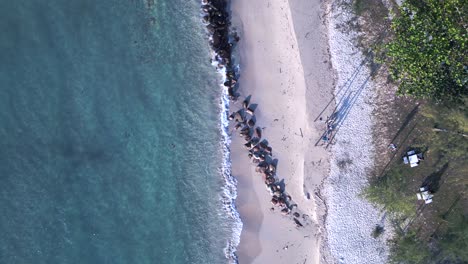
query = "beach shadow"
{"x": 348, "y": 102}
{"x": 251, "y": 132}
{"x": 264, "y": 142}
{"x": 275, "y": 163}
{"x": 347, "y": 85}
{"x": 247, "y": 100}
{"x": 253, "y": 107}
{"x": 335, "y": 119}
{"x": 341, "y": 113}
{"x": 369, "y": 57}
{"x": 433, "y": 181}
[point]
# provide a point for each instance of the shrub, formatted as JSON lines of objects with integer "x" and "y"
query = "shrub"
{"x": 427, "y": 55}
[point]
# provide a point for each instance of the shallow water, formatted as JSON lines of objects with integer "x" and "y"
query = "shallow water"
{"x": 110, "y": 149}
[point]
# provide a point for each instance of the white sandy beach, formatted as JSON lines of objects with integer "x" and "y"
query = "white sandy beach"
{"x": 273, "y": 73}
{"x": 286, "y": 67}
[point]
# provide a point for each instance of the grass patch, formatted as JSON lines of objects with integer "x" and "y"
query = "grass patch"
{"x": 383, "y": 191}
{"x": 454, "y": 240}
{"x": 410, "y": 249}
{"x": 437, "y": 232}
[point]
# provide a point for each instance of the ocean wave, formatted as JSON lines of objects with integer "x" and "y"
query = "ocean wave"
{"x": 222, "y": 63}
{"x": 229, "y": 193}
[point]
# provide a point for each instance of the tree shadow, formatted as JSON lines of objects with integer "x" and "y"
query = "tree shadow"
{"x": 433, "y": 181}
{"x": 405, "y": 123}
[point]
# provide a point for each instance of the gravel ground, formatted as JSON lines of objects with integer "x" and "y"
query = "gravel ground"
{"x": 351, "y": 219}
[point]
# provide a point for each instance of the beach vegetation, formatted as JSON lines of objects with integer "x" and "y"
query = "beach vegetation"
{"x": 382, "y": 191}
{"x": 420, "y": 48}
{"x": 436, "y": 232}
{"x": 427, "y": 52}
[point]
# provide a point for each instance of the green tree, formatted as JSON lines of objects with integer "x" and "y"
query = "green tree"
{"x": 427, "y": 54}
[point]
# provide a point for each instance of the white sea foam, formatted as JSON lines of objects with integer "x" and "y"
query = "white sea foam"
{"x": 229, "y": 194}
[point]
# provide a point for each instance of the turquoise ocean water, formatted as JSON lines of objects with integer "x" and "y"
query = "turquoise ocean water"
{"x": 111, "y": 149}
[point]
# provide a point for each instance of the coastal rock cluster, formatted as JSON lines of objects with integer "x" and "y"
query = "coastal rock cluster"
{"x": 222, "y": 40}
{"x": 216, "y": 20}
{"x": 260, "y": 153}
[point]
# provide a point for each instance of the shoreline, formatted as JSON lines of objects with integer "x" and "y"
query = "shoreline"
{"x": 302, "y": 69}
{"x": 216, "y": 19}
{"x": 229, "y": 195}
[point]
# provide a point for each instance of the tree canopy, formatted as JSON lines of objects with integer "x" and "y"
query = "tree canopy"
{"x": 427, "y": 55}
